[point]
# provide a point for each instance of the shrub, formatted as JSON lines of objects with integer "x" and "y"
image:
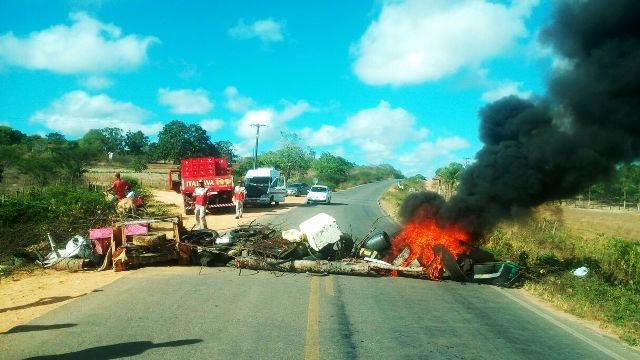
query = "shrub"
{"x": 62, "y": 211}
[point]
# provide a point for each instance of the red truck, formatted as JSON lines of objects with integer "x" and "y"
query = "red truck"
{"x": 217, "y": 176}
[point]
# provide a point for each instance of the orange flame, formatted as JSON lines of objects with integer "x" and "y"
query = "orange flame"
{"x": 420, "y": 235}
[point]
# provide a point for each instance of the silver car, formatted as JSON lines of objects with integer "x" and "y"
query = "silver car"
{"x": 319, "y": 193}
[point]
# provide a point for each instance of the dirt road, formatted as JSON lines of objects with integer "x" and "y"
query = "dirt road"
{"x": 225, "y": 221}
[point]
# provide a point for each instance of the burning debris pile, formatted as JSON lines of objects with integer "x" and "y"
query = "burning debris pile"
{"x": 319, "y": 247}
{"x": 544, "y": 149}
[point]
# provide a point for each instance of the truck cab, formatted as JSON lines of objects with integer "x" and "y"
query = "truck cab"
{"x": 263, "y": 187}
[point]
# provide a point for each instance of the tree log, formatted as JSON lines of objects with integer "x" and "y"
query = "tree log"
{"x": 361, "y": 268}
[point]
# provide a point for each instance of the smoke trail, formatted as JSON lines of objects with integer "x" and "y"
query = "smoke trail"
{"x": 553, "y": 148}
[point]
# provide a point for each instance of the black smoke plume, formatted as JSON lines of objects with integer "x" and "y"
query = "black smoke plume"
{"x": 555, "y": 147}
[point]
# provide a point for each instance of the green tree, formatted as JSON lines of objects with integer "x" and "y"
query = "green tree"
{"x": 9, "y": 136}
{"x": 136, "y": 142}
{"x": 244, "y": 164}
{"x": 55, "y": 139}
{"x": 628, "y": 180}
{"x": 450, "y": 176}
{"x": 94, "y": 138}
{"x": 71, "y": 162}
{"x": 332, "y": 169}
{"x": 177, "y": 141}
{"x": 39, "y": 168}
{"x": 35, "y": 143}
{"x": 114, "y": 140}
{"x": 226, "y": 150}
{"x": 291, "y": 158}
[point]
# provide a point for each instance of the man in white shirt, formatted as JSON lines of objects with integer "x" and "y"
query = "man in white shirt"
{"x": 240, "y": 193}
{"x": 200, "y": 198}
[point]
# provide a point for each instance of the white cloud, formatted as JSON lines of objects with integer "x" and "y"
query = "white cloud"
{"x": 262, "y": 117}
{"x": 96, "y": 82}
{"x": 506, "y": 89}
{"x": 414, "y": 41}
{"x": 378, "y": 131}
{"x": 266, "y": 30}
{"x": 77, "y": 112}
{"x": 271, "y": 121}
{"x": 326, "y": 135}
{"x": 186, "y": 101}
{"x": 424, "y": 154}
{"x": 236, "y": 102}
{"x": 212, "y": 125}
{"x": 87, "y": 46}
{"x": 293, "y": 110}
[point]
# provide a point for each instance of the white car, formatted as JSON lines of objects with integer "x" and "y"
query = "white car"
{"x": 319, "y": 193}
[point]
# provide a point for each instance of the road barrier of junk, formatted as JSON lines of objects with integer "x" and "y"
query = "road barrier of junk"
{"x": 317, "y": 247}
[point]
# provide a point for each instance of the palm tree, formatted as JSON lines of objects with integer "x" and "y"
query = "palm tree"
{"x": 450, "y": 176}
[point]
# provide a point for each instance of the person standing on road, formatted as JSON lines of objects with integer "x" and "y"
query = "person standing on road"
{"x": 239, "y": 194}
{"x": 200, "y": 198}
{"x": 120, "y": 186}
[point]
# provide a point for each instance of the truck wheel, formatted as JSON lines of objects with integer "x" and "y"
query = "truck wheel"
{"x": 277, "y": 202}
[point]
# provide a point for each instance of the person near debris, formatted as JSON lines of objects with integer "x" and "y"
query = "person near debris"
{"x": 240, "y": 193}
{"x": 200, "y": 198}
{"x": 120, "y": 186}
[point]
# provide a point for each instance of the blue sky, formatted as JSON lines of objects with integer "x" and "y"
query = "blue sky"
{"x": 397, "y": 82}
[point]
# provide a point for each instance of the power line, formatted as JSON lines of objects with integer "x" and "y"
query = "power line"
{"x": 255, "y": 157}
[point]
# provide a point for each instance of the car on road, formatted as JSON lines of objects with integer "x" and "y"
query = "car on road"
{"x": 298, "y": 189}
{"x": 319, "y": 193}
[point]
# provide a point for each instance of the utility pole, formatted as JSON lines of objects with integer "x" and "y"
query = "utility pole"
{"x": 255, "y": 157}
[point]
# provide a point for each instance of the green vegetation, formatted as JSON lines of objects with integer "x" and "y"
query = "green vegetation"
{"x": 178, "y": 140}
{"x": 450, "y": 176}
{"x": 299, "y": 163}
{"x": 548, "y": 253}
{"x": 622, "y": 189}
{"x": 396, "y": 195}
{"x": 62, "y": 211}
{"x": 291, "y": 158}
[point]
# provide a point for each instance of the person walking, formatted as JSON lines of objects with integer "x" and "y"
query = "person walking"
{"x": 200, "y": 198}
{"x": 239, "y": 194}
{"x": 120, "y": 187}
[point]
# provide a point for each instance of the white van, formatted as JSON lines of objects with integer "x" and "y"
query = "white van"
{"x": 263, "y": 187}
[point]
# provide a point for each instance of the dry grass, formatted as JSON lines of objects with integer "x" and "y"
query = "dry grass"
{"x": 593, "y": 223}
{"x": 156, "y": 176}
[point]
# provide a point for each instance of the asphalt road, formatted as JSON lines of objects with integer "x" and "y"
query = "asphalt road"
{"x": 223, "y": 313}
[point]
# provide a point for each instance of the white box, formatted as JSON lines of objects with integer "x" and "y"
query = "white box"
{"x": 321, "y": 230}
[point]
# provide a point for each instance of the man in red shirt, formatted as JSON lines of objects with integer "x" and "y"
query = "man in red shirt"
{"x": 200, "y": 198}
{"x": 120, "y": 186}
